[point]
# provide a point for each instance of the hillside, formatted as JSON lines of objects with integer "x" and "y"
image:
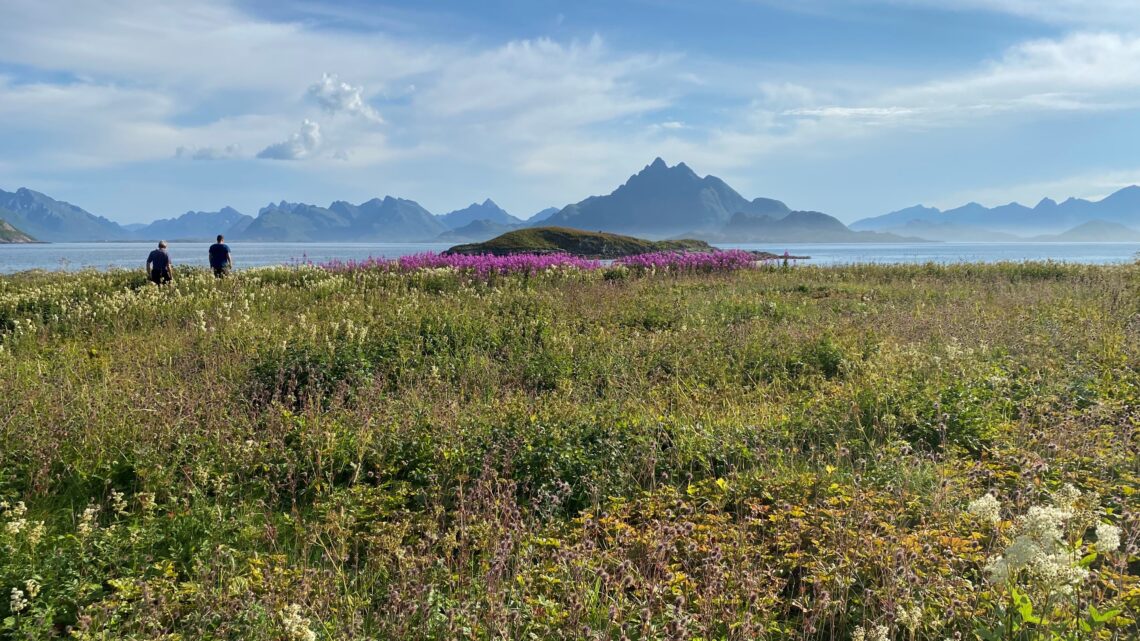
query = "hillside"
{"x": 52, "y": 220}
{"x": 475, "y": 231}
{"x": 550, "y": 240}
{"x": 1094, "y": 231}
{"x": 9, "y": 234}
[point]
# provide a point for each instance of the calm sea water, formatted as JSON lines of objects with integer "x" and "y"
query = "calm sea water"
{"x": 74, "y": 256}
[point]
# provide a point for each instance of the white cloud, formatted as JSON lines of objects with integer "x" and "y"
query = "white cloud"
{"x": 207, "y": 153}
{"x": 336, "y": 96}
{"x": 1108, "y": 13}
{"x": 302, "y": 144}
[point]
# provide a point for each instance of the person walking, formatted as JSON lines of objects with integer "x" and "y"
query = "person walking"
{"x": 158, "y": 267}
{"x": 220, "y": 260}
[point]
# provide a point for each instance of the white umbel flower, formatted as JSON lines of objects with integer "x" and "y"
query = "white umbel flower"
{"x": 1107, "y": 537}
{"x": 296, "y": 625}
{"x": 986, "y": 507}
{"x": 876, "y": 633}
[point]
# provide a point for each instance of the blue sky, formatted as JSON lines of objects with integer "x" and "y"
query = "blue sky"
{"x": 137, "y": 109}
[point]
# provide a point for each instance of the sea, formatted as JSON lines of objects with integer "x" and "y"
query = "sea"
{"x": 132, "y": 255}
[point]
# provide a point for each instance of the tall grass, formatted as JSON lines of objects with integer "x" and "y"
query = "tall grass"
{"x": 610, "y": 453}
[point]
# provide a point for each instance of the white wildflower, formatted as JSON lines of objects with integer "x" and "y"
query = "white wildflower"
{"x": 877, "y": 633}
{"x": 1066, "y": 498}
{"x": 997, "y": 569}
{"x": 986, "y": 507}
{"x": 118, "y": 502}
{"x": 147, "y": 501}
{"x": 17, "y": 602}
{"x": 33, "y": 588}
{"x": 35, "y": 533}
{"x": 87, "y": 522}
{"x": 1044, "y": 524}
{"x": 909, "y": 618}
{"x": 16, "y": 522}
{"x": 1107, "y": 537}
{"x": 1040, "y": 550}
{"x": 296, "y": 626}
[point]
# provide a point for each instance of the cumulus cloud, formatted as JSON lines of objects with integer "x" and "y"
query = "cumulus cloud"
{"x": 336, "y": 96}
{"x": 208, "y": 153}
{"x": 300, "y": 145}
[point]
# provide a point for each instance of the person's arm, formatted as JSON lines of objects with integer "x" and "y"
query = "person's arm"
{"x": 229, "y": 260}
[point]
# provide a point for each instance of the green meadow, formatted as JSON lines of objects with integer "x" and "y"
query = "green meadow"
{"x": 772, "y": 453}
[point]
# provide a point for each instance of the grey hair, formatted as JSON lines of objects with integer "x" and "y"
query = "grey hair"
{"x": 162, "y": 244}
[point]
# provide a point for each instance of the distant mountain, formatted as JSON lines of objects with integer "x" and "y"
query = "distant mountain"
{"x": 976, "y": 222}
{"x": 488, "y": 210}
{"x": 542, "y": 215}
{"x": 663, "y": 201}
{"x": 388, "y": 220}
{"x": 952, "y": 232}
{"x": 1094, "y": 231}
{"x": 794, "y": 227}
{"x": 52, "y": 220}
{"x": 475, "y": 231}
{"x": 9, "y": 234}
{"x": 196, "y": 225}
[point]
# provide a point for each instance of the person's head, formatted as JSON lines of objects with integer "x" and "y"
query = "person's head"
{"x": 221, "y": 238}
{"x": 162, "y": 244}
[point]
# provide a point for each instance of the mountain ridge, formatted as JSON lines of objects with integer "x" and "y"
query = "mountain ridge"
{"x": 973, "y": 221}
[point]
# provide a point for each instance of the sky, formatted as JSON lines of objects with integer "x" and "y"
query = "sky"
{"x": 144, "y": 109}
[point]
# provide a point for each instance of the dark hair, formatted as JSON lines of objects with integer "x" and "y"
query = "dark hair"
{"x": 221, "y": 238}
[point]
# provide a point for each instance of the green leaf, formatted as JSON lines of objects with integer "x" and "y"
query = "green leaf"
{"x": 1103, "y": 617}
{"x": 987, "y": 634}
{"x": 1088, "y": 560}
{"x": 1024, "y": 606}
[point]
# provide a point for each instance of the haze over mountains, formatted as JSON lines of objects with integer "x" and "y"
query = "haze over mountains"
{"x": 658, "y": 202}
{"x": 974, "y": 222}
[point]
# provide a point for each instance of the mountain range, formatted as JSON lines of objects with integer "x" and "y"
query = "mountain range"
{"x": 660, "y": 201}
{"x": 1013, "y": 222}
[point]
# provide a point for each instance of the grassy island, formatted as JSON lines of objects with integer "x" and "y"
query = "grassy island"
{"x": 575, "y": 242}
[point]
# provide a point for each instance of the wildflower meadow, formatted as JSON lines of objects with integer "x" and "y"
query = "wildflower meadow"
{"x": 673, "y": 446}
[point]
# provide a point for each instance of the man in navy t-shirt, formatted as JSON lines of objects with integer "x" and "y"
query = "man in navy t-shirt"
{"x": 220, "y": 257}
{"x": 158, "y": 265}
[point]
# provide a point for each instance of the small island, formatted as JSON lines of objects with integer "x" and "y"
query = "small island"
{"x": 584, "y": 244}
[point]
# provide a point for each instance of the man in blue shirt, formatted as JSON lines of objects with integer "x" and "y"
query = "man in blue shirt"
{"x": 158, "y": 265}
{"x": 220, "y": 259}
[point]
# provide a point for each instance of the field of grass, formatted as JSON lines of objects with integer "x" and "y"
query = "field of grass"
{"x": 619, "y": 454}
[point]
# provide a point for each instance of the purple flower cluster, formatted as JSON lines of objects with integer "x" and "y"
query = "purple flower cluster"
{"x": 721, "y": 261}
{"x": 487, "y": 264}
{"x": 481, "y": 265}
